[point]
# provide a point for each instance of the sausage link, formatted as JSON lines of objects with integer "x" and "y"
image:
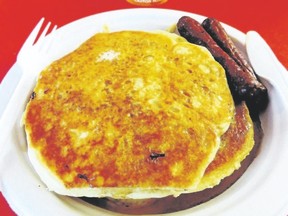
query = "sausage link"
{"x": 244, "y": 86}
{"x": 220, "y": 36}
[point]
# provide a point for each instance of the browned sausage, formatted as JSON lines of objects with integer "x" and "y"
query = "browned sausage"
{"x": 220, "y": 36}
{"x": 244, "y": 86}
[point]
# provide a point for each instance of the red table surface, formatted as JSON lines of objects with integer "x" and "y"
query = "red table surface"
{"x": 18, "y": 17}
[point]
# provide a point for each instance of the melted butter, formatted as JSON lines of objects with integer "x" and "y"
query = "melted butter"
{"x": 108, "y": 56}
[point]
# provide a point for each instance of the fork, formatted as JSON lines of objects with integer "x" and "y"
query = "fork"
{"x": 32, "y": 53}
{"x": 31, "y": 58}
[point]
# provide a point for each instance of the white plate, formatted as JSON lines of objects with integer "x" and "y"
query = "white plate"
{"x": 262, "y": 190}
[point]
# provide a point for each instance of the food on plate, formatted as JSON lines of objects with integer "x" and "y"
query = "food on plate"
{"x": 239, "y": 140}
{"x": 145, "y": 122}
{"x": 220, "y": 36}
{"x": 244, "y": 84}
{"x": 128, "y": 114}
{"x": 235, "y": 145}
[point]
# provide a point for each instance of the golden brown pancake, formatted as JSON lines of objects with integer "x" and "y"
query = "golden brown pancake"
{"x": 128, "y": 114}
{"x": 239, "y": 145}
{"x": 235, "y": 145}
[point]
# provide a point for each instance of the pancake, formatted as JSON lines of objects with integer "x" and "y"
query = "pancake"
{"x": 239, "y": 146}
{"x": 235, "y": 145}
{"x": 128, "y": 114}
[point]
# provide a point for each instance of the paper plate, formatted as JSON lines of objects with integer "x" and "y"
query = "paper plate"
{"x": 262, "y": 190}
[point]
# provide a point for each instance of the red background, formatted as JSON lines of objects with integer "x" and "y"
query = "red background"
{"x": 18, "y": 17}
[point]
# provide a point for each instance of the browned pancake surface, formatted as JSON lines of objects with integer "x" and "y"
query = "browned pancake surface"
{"x": 128, "y": 111}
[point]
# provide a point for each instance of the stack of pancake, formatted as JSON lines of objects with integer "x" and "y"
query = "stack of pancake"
{"x": 135, "y": 115}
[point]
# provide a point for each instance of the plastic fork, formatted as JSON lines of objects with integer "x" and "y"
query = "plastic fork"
{"x": 31, "y": 58}
{"x": 32, "y": 53}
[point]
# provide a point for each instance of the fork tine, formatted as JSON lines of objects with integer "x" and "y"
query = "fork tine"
{"x": 33, "y": 35}
{"x": 48, "y": 40}
{"x": 54, "y": 28}
{"x": 36, "y": 49}
{"x": 44, "y": 32}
